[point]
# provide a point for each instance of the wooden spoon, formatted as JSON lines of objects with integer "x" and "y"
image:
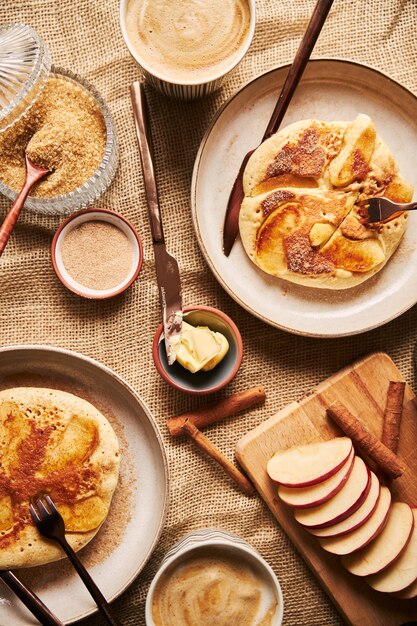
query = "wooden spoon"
{"x": 33, "y": 174}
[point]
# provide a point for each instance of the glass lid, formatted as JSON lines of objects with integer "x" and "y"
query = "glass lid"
{"x": 25, "y": 63}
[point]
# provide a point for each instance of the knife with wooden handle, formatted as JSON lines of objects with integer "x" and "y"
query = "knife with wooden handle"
{"x": 167, "y": 271}
{"x": 231, "y": 222}
{"x": 30, "y": 600}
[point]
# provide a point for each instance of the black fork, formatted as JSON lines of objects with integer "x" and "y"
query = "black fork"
{"x": 50, "y": 524}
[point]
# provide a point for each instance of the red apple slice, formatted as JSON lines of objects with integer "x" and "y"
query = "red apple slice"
{"x": 387, "y": 546}
{"x": 408, "y": 593}
{"x": 304, "y": 497}
{"x": 343, "y": 504}
{"x": 358, "y": 518}
{"x": 312, "y": 463}
{"x": 403, "y": 572}
{"x": 359, "y": 538}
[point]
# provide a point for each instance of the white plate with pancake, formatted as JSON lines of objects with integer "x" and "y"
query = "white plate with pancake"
{"x": 329, "y": 90}
{"x": 137, "y": 513}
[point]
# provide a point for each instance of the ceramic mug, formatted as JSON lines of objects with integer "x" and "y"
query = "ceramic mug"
{"x": 183, "y": 80}
{"x": 214, "y": 541}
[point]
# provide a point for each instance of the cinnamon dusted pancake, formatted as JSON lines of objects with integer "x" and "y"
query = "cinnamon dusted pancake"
{"x": 305, "y": 194}
{"x": 54, "y": 442}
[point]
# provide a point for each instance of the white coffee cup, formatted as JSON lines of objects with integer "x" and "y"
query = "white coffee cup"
{"x": 213, "y": 540}
{"x": 181, "y": 84}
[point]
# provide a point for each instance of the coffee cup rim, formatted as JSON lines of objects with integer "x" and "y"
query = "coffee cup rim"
{"x": 197, "y": 540}
{"x": 191, "y": 82}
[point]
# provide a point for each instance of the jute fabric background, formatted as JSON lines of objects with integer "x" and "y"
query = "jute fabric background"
{"x": 35, "y": 308}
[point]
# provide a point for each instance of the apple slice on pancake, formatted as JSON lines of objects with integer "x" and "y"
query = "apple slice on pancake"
{"x": 353, "y": 161}
{"x": 360, "y": 537}
{"x": 403, "y": 572}
{"x": 343, "y": 504}
{"x": 284, "y": 230}
{"x": 359, "y": 517}
{"x": 304, "y": 497}
{"x": 295, "y": 156}
{"x": 309, "y": 464}
{"x": 386, "y": 547}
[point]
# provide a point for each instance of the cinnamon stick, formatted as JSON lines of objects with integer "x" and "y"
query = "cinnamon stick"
{"x": 393, "y": 414}
{"x": 387, "y": 460}
{"x": 216, "y": 412}
{"x": 205, "y": 444}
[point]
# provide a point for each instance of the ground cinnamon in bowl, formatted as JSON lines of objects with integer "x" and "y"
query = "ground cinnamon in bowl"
{"x": 97, "y": 253}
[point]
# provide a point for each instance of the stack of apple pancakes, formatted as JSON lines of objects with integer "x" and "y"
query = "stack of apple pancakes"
{"x": 303, "y": 217}
{"x": 57, "y": 443}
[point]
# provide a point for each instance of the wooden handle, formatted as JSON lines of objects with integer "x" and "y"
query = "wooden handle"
{"x": 30, "y": 600}
{"x": 99, "y": 599}
{"x": 138, "y": 98}
{"x": 33, "y": 174}
{"x": 297, "y": 68}
{"x": 218, "y": 411}
{"x": 206, "y": 446}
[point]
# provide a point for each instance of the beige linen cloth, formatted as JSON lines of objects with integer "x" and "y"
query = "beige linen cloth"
{"x": 84, "y": 36}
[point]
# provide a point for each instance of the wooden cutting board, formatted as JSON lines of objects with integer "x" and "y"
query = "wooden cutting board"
{"x": 362, "y": 388}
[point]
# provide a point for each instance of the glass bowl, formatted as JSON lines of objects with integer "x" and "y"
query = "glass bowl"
{"x": 94, "y": 187}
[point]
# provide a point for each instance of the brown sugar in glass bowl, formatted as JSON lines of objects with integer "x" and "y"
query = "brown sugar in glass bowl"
{"x": 70, "y": 131}
{"x": 97, "y": 253}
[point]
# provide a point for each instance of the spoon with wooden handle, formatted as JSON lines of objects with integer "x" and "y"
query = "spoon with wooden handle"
{"x": 33, "y": 174}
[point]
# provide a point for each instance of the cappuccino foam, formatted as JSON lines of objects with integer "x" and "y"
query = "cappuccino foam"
{"x": 188, "y": 41}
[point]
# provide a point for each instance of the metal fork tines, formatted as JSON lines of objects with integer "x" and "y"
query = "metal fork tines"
{"x": 50, "y": 524}
{"x": 385, "y": 210}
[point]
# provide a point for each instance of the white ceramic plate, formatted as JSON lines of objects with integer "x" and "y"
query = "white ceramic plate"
{"x": 329, "y": 90}
{"x": 126, "y": 540}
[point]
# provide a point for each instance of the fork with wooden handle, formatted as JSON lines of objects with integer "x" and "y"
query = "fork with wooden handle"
{"x": 50, "y": 524}
{"x": 30, "y": 600}
{"x": 33, "y": 174}
{"x": 384, "y": 210}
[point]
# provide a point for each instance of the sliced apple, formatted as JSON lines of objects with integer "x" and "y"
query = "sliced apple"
{"x": 304, "y": 497}
{"x": 403, "y": 572}
{"x": 359, "y": 538}
{"x": 358, "y": 518}
{"x": 387, "y": 546}
{"x": 309, "y": 464}
{"x": 343, "y": 504}
{"x": 408, "y": 593}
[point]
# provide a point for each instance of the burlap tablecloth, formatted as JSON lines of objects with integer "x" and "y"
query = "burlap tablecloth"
{"x": 36, "y": 308}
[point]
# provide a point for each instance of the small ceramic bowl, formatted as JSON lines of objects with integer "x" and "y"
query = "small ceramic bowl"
{"x": 96, "y": 215}
{"x": 218, "y": 541}
{"x": 201, "y": 382}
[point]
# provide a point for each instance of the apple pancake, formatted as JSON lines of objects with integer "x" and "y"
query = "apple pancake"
{"x": 52, "y": 442}
{"x": 306, "y": 187}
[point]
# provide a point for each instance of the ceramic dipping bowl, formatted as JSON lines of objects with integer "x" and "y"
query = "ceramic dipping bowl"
{"x": 201, "y": 382}
{"x": 220, "y": 542}
{"x": 96, "y": 215}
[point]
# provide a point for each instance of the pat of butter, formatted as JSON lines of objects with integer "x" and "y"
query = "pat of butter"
{"x": 201, "y": 348}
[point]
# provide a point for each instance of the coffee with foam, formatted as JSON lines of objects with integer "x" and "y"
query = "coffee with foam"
{"x": 188, "y": 41}
{"x": 213, "y": 587}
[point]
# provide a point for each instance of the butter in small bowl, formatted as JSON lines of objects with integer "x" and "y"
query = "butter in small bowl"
{"x": 201, "y": 348}
{"x": 209, "y": 356}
